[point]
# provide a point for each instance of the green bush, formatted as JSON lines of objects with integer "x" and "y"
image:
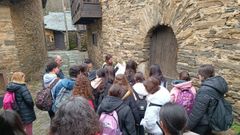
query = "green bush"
{"x": 236, "y": 127}
{"x": 72, "y": 45}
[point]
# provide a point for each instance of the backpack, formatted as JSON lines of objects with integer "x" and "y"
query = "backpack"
{"x": 110, "y": 124}
{"x": 141, "y": 104}
{"x": 186, "y": 99}
{"x": 43, "y": 99}
{"x": 220, "y": 113}
{"x": 9, "y": 102}
{"x": 61, "y": 98}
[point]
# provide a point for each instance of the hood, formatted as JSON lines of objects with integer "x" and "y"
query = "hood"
{"x": 140, "y": 89}
{"x": 182, "y": 85}
{"x": 218, "y": 83}
{"x": 110, "y": 103}
{"x": 174, "y": 82}
{"x": 160, "y": 97}
{"x": 12, "y": 87}
{"x": 48, "y": 78}
{"x": 68, "y": 83}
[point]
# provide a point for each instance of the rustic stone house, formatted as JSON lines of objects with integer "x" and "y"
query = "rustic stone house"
{"x": 177, "y": 34}
{"x": 55, "y": 31}
{"x": 22, "y": 43}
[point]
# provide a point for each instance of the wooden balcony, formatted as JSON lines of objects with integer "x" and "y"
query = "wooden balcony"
{"x": 85, "y": 11}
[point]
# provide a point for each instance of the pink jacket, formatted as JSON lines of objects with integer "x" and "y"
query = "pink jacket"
{"x": 181, "y": 86}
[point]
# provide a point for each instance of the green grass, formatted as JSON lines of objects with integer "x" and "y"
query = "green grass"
{"x": 236, "y": 127}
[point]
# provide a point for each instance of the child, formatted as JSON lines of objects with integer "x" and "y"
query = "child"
{"x": 184, "y": 82}
{"x": 184, "y": 88}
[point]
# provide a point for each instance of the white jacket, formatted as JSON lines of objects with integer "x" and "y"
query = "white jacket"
{"x": 160, "y": 97}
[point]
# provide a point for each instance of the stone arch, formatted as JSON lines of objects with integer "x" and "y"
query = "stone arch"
{"x": 177, "y": 15}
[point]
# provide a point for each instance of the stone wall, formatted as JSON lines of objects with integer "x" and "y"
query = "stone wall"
{"x": 22, "y": 42}
{"x": 8, "y": 52}
{"x": 27, "y": 21}
{"x": 206, "y": 32}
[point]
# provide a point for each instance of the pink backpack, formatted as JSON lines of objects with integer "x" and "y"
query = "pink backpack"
{"x": 185, "y": 98}
{"x": 9, "y": 101}
{"x": 110, "y": 123}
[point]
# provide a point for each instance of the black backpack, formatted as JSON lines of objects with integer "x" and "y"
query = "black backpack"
{"x": 141, "y": 104}
{"x": 220, "y": 113}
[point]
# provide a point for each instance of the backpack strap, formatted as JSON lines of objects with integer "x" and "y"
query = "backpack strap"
{"x": 135, "y": 93}
{"x": 152, "y": 104}
{"x": 53, "y": 83}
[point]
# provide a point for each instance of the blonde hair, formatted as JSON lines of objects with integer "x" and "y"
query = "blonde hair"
{"x": 18, "y": 77}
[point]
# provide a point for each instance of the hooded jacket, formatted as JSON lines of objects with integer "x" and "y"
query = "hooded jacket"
{"x": 68, "y": 84}
{"x": 24, "y": 102}
{"x": 180, "y": 85}
{"x": 48, "y": 79}
{"x": 125, "y": 116}
{"x": 210, "y": 89}
{"x": 160, "y": 97}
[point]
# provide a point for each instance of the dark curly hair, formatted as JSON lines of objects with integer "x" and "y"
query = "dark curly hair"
{"x": 75, "y": 117}
{"x": 82, "y": 87}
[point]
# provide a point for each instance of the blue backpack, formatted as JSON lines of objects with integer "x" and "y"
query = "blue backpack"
{"x": 61, "y": 98}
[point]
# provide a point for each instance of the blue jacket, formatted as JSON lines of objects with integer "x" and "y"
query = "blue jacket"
{"x": 66, "y": 83}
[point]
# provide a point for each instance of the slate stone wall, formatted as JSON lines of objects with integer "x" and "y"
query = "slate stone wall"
{"x": 22, "y": 42}
{"x": 206, "y": 32}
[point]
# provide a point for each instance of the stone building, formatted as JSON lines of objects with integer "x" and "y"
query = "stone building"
{"x": 22, "y": 43}
{"x": 177, "y": 34}
{"x": 55, "y": 31}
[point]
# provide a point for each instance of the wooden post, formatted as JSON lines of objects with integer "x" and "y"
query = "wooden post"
{"x": 65, "y": 22}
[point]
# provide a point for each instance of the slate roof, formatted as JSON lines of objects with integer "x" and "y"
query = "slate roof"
{"x": 55, "y": 21}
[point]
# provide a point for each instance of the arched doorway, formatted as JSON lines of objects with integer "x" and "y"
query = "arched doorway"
{"x": 163, "y": 50}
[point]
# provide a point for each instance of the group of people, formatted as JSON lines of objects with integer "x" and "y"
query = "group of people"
{"x": 85, "y": 102}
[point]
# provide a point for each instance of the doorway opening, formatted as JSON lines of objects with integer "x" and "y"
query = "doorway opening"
{"x": 163, "y": 50}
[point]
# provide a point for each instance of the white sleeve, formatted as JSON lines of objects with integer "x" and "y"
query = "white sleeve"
{"x": 150, "y": 118}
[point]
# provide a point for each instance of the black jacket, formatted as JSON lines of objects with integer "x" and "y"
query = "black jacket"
{"x": 132, "y": 104}
{"x": 99, "y": 95}
{"x": 24, "y": 102}
{"x": 210, "y": 89}
{"x": 125, "y": 116}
